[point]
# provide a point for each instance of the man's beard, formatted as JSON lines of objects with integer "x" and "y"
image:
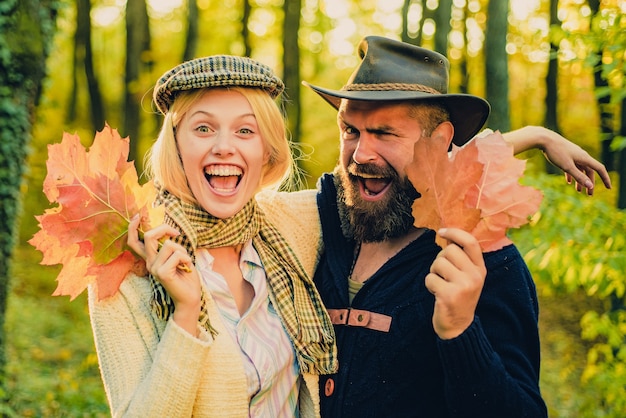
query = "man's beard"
{"x": 378, "y": 221}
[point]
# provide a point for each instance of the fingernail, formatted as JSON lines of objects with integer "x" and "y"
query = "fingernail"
{"x": 589, "y": 184}
{"x": 442, "y": 231}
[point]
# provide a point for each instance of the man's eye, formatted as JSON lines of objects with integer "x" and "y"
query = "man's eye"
{"x": 349, "y": 132}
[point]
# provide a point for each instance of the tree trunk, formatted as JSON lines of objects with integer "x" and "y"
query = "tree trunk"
{"x": 404, "y": 36}
{"x": 26, "y": 33}
{"x": 551, "y": 120}
{"x": 191, "y": 40}
{"x": 291, "y": 65}
{"x": 406, "y": 6}
{"x": 621, "y": 168}
{"x": 245, "y": 31}
{"x": 83, "y": 59}
{"x": 463, "y": 64}
{"x": 137, "y": 49}
{"x": 604, "y": 103}
{"x": 443, "y": 14}
{"x": 83, "y": 28}
{"x": 496, "y": 62}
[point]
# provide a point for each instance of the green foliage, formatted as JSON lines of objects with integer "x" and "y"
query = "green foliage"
{"x": 53, "y": 369}
{"x": 26, "y": 29}
{"x": 577, "y": 244}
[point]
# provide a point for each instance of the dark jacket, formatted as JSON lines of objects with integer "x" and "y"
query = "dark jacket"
{"x": 491, "y": 370}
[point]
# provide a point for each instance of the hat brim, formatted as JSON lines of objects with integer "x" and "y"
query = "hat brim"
{"x": 468, "y": 113}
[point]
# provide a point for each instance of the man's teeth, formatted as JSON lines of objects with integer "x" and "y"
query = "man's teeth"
{"x": 370, "y": 176}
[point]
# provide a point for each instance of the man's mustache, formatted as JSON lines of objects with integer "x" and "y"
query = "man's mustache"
{"x": 369, "y": 169}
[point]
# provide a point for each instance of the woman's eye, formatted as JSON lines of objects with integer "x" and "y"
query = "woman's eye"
{"x": 203, "y": 129}
{"x": 245, "y": 131}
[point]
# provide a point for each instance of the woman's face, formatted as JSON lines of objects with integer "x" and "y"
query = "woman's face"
{"x": 222, "y": 151}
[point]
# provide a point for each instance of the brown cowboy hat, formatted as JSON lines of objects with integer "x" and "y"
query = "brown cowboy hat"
{"x": 391, "y": 70}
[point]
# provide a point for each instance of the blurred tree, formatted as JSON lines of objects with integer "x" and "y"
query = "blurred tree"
{"x": 604, "y": 100}
{"x": 191, "y": 39}
{"x": 463, "y": 67}
{"x": 245, "y": 31}
{"x": 138, "y": 60}
{"x": 496, "y": 65}
{"x": 291, "y": 65}
{"x": 621, "y": 170}
{"x": 405, "y": 36}
{"x": 26, "y": 33}
{"x": 551, "y": 120}
{"x": 443, "y": 14}
{"x": 83, "y": 60}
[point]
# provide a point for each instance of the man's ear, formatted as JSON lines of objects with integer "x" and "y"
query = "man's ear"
{"x": 445, "y": 131}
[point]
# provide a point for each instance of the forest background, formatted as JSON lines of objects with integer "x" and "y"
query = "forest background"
{"x": 71, "y": 66}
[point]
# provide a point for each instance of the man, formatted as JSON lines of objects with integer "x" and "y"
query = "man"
{"x": 420, "y": 331}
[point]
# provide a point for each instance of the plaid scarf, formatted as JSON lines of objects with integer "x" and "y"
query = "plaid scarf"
{"x": 292, "y": 292}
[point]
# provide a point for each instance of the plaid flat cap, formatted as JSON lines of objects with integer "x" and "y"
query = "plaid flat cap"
{"x": 215, "y": 71}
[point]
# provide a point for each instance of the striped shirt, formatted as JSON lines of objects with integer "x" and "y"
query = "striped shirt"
{"x": 266, "y": 351}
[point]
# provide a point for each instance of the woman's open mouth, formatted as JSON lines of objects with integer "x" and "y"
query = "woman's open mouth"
{"x": 223, "y": 178}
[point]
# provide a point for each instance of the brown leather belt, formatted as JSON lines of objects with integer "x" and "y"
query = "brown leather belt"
{"x": 360, "y": 318}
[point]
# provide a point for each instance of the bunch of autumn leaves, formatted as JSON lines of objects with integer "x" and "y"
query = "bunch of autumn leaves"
{"x": 97, "y": 192}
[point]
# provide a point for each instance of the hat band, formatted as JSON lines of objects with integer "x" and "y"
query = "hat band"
{"x": 390, "y": 87}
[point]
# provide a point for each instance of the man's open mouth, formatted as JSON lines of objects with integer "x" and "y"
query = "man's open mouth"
{"x": 373, "y": 185}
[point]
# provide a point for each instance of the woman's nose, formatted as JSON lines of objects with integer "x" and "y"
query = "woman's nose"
{"x": 223, "y": 144}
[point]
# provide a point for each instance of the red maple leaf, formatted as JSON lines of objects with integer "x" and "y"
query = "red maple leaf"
{"x": 475, "y": 188}
{"x": 97, "y": 192}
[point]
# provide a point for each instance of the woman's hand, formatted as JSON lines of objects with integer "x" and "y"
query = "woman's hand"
{"x": 163, "y": 260}
{"x": 578, "y": 165}
{"x": 456, "y": 280}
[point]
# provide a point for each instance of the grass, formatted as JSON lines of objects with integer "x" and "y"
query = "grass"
{"x": 52, "y": 367}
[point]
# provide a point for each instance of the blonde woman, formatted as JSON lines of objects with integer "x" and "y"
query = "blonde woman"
{"x": 229, "y": 322}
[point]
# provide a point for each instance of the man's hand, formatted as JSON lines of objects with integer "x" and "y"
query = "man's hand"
{"x": 456, "y": 280}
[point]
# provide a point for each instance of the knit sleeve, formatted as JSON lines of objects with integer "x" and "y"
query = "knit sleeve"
{"x": 296, "y": 216}
{"x": 492, "y": 369}
{"x": 148, "y": 367}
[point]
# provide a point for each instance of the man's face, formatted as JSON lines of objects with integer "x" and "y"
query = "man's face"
{"x": 376, "y": 146}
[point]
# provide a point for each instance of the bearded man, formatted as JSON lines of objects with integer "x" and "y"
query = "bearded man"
{"x": 420, "y": 331}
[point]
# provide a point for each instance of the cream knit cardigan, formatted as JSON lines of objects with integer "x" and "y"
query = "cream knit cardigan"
{"x": 153, "y": 368}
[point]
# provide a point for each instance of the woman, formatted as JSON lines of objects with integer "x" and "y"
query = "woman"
{"x": 229, "y": 323}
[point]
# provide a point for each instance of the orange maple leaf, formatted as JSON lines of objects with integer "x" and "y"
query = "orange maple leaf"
{"x": 443, "y": 180}
{"x": 475, "y": 188}
{"x": 97, "y": 192}
{"x": 503, "y": 201}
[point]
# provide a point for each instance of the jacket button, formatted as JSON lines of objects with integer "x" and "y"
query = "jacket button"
{"x": 329, "y": 387}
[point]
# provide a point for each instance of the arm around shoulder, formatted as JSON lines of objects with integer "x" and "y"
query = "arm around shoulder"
{"x": 578, "y": 165}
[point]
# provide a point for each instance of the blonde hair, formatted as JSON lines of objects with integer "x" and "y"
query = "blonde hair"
{"x": 163, "y": 162}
